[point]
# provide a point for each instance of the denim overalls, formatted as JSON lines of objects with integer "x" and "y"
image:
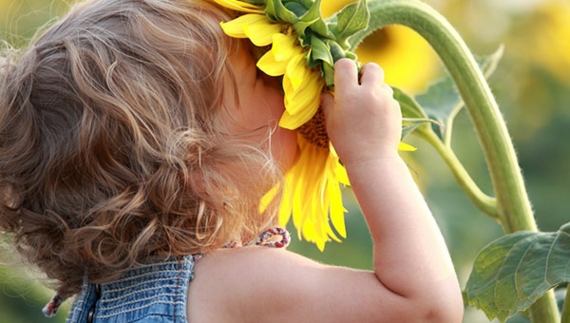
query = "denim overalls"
{"x": 152, "y": 293}
{"x": 155, "y": 292}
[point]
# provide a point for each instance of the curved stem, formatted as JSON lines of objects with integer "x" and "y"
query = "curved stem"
{"x": 512, "y": 199}
{"x": 513, "y": 205}
{"x": 482, "y": 201}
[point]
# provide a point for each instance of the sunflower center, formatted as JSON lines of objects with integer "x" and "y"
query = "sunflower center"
{"x": 315, "y": 131}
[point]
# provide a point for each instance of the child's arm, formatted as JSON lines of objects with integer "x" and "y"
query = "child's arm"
{"x": 413, "y": 279}
{"x": 364, "y": 123}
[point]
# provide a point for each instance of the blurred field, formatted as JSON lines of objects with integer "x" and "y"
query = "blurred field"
{"x": 532, "y": 86}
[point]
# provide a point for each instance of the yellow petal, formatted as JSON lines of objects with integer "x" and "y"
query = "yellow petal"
{"x": 326, "y": 231}
{"x": 289, "y": 121}
{"x": 304, "y": 101}
{"x": 312, "y": 196}
{"x": 236, "y": 28}
{"x": 240, "y": 6}
{"x": 336, "y": 208}
{"x": 406, "y": 147}
{"x": 275, "y": 61}
{"x": 301, "y": 105}
{"x": 310, "y": 85}
{"x": 261, "y": 32}
{"x": 339, "y": 170}
{"x": 284, "y": 47}
{"x": 296, "y": 71}
{"x": 341, "y": 174}
{"x": 298, "y": 208}
{"x": 321, "y": 245}
{"x": 270, "y": 66}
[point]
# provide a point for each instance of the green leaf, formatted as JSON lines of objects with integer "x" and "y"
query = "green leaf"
{"x": 409, "y": 125}
{"x": 410, "y": 107}
{"x": 488, "y": 64}
{"x": 412, "y": 113}
{"x": 350, "y": 20}
{"x": 442, "y": 101}
{"x": 512, "y": 272}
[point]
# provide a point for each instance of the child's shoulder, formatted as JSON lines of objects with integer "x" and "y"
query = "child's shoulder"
{"x": 258, "y": 284}
{"x": 230, "y": 283}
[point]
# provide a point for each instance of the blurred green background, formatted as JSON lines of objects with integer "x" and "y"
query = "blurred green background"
{"x": 532, "y": 86}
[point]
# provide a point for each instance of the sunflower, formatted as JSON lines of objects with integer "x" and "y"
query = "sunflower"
{"x": 302, "y": 51}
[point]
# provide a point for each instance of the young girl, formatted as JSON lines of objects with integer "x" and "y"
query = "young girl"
{"x": 136, "y": 141}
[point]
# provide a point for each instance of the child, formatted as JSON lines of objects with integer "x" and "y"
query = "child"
{"x": 136, "y": 138}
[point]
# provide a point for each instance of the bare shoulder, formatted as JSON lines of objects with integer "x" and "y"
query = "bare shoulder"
{"x": 257, "y": 284}
{"x": 226, "y": 278}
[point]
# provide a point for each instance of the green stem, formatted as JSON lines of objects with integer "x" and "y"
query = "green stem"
{"x": 482, "y": 201}
{"x": 512, "y": 199}
{"x": 566, "y": 307}
{"x": 513, "y": 205}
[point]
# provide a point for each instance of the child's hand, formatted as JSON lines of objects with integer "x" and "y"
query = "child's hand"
{"x": 363, "y": 119}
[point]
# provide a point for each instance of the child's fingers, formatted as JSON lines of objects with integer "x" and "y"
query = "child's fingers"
{"x": 372, "y": 74}
{"x": 346, "y": 73}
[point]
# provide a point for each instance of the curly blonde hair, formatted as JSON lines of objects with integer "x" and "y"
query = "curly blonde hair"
{"x": 111, "y": 149}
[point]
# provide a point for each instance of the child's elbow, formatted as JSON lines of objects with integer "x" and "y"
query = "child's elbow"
{"x": 446, "y": 307}
{"x": 445, "y": 312}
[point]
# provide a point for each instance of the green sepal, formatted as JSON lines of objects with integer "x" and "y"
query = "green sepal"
{"x": 312, "y": 19}
{"x": 298, "y": 9}
{"x": 336, "y": 51}
{"x": 328, "y": 74}
{"x": 305, "y": 40}
{"x": 350, "y": 20}
{"x": 320, "y": 51}
{"x": 276, "y": 11}
{"x": 314, "y": 16}
{"x": 307, "y": 3}
{"x": 351, "y": 55}
{"x": 302, "y": 26}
